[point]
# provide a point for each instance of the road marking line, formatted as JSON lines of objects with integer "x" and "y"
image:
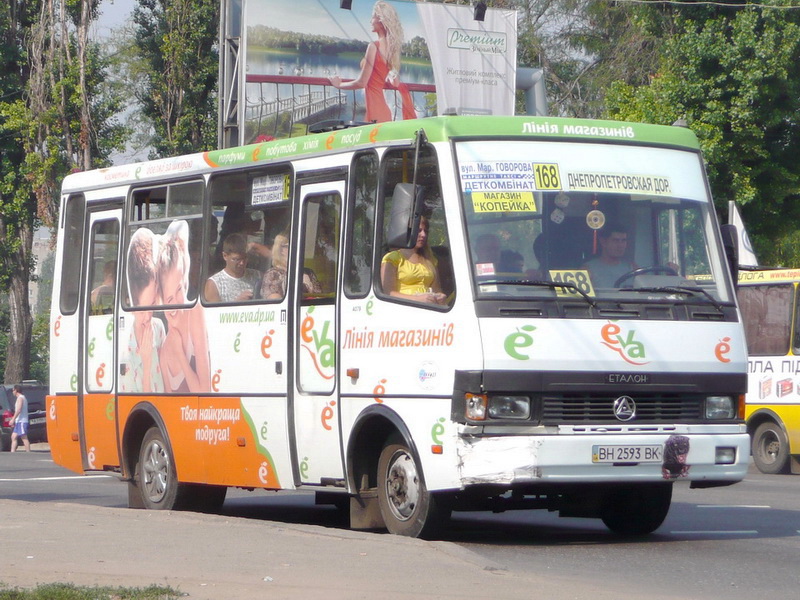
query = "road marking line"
{"x": 61, "y": 478}
{"x": 712, "y": 532}
{"x": 732, "y": 506}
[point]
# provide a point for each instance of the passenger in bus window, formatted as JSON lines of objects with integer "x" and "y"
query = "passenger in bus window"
{"x": 184, "y": 353}
{"x": 102, "y": 296}
{"x": 234, "y": 283}
{"x": 511, "y": 262}
{"x": 141, "y": 370}
{"x": 236, "y": 220}
{"x": 410, "y": 273}
{"x": 539, "y": 253}
{"x": 273, "y": 285}
{"x": 611, "y": 264}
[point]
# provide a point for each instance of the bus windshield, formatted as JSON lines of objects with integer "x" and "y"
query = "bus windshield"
{"x": 608, "y": 222}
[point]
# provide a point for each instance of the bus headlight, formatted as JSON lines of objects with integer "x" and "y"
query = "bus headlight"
{"x": 475, "y": 406}
{"x": 509, "y": 407}
{"x": 720, "y": 407}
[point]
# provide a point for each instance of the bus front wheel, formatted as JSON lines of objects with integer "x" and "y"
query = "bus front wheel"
{"x": 637, "y": 509}
{"x": 406, "y": 505}
{"x": 155, "y": 473}
{"x": 770, "y": 448}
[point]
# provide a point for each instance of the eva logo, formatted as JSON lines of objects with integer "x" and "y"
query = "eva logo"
{"x": 323, "y": 351}
{"x": 627, "y": 347}
{"x": 516, "y": 341}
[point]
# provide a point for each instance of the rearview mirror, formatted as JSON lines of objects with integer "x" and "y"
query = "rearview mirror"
{"x": 730, "y": 242}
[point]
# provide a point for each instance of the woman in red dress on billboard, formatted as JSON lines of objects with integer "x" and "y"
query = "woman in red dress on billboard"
{"x": 380, "y": 67}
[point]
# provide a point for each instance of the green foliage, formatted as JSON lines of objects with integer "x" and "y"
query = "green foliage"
{"x": 176, "y": 42}
{"x": 40, "y": 348}
{"x": 733, "y": 76}
{"x": 62, "y": 591}
{"x": 56, "y": 114}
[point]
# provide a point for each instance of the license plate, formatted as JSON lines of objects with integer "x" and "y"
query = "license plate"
{"x": 627, "y": 454}
{"x": 37, "y": 420}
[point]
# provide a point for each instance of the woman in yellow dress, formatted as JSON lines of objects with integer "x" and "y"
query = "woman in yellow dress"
{"x": 410, "y": 273}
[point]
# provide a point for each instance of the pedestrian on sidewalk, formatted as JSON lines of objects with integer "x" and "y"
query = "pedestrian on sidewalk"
{"x": 20, "y": 420}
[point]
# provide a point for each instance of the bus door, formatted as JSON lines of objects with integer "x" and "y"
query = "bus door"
{"x": 314, "y": 403}
{"x": 97, "y": 348}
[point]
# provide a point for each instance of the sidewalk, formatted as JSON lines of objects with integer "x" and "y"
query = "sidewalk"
{"x": 210, "y": 557}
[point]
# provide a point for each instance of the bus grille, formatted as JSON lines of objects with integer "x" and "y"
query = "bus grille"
{"x": 580, "y": 408}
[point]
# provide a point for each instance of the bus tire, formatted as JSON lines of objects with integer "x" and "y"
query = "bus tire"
{"x": 770, "y": 448}
{"x": 637, "y": 509}
{"x": 406, "y": 505}
{"x": 156, "y": 476}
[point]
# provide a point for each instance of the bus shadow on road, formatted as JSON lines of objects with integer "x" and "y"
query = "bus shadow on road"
{"x": 686, "y": 522}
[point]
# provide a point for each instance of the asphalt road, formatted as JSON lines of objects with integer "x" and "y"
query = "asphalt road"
{"x": 726, "y": 543}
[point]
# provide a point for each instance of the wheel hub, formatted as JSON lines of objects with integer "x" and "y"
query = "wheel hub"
{"x": 156, "y": 469}
{"x": 402, "y": 486}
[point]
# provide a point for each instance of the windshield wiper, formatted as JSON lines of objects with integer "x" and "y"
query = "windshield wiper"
{"x": 679, "y": 289}
{"x": 537, "y": 283}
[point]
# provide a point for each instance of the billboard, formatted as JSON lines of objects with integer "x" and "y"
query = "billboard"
{"x": 310, "y": 61}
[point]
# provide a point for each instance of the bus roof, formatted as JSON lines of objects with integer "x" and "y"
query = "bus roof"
{"x": 436, "y": 129}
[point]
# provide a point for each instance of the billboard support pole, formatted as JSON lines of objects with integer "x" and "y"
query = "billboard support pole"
{"x": 532, "y": 81}
{"x": 229, "y": 73}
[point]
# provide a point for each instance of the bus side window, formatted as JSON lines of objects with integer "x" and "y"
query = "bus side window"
{"x": 364, "y": 191}
{"x": 73, "y": 253}
{"x": 320, "y": 245}
{"x": 423, "y": 274}
{"x": 248, "y": 226}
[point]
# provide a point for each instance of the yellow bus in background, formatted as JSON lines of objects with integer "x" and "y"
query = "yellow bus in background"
{"x": 769, "y": 304}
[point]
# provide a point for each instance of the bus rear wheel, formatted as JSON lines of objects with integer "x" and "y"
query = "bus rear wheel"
{"x": 770, "y": 448}
{"x": 637, "y": 509}
{"x": 155, "y": 473}
{"x": 406, "y": 505}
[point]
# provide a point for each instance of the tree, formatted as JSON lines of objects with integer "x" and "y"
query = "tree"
{"x": 584, "y": 45}
{"x": 733, "y": 75}
{"x": 176, "y": 41}
{"x": 18, "y": 203}
{"x": 55, "y": 115}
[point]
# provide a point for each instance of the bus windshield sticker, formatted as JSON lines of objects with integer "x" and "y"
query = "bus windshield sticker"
{"x": 498, "y": 176}
{"x": 619, "y": 182}
{"x": 487, "y": 202}
{"x": 579, "y": 278}
{"x": 270, "y": 188}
